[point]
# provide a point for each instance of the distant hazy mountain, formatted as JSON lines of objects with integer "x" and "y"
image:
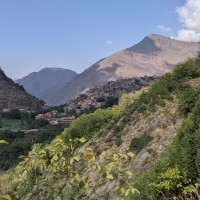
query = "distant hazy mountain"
{"x": 14, "y": 96}
{"x": 154, "y": 55}
{"x": 47, "y": 80}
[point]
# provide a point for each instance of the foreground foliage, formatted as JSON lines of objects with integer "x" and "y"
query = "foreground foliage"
{"x": 60, "y": 171}
{"x": 20, "y": 143}
{"x": 5, "y": 196}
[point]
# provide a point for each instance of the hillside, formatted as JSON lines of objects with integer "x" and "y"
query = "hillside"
{"x": 160, "y": 126}
{"x": 13, "y": 96}
{"x": 47, "y": 80}
{"x": 154, "y": 55}
{"x": 108, "y": 94}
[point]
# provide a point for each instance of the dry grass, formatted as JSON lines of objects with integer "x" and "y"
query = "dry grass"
{"x": 194, "y": 83}
{"x": 7, "y": 183}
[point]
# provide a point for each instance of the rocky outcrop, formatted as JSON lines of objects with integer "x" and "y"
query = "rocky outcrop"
{"x": 14, "y": 96}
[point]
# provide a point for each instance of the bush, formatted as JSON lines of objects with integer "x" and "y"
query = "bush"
{"x": 38, "y": 123}
{"x": 116, "y": 129}
{"x": 118, "y": 141}
{"x": 188, "y": 100}
{"x": 137, "y": 144}
{"x": 88, "y": 124}
{"x": 20, "y": 143}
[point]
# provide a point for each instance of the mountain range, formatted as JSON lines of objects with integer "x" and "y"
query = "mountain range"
{"x": 13, "y": 96}
{"x": 154, "y": 55}
{"x": 47, "y": 80}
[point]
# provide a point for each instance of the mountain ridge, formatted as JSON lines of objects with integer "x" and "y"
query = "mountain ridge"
{"x": 154, "y": 55}
{"x": 14, "y": 96}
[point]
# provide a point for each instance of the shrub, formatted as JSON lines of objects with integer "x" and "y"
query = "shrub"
{"x": 188, "y": 99}
{"x": 137, "y": 144}
{"x": 38, "y": 123}
{"x": 118, "y": 141}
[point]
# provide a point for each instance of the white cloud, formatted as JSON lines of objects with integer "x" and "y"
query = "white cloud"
{"x": 189, "y": 16}
{"x": 109, "y": 42}
{"x": 163, "y": 28}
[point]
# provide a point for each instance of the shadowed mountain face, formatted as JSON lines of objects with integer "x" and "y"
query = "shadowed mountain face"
{"x": 14, "y": 96}
{"x": 46, "y": 81}
{"x": 154, "y": 55}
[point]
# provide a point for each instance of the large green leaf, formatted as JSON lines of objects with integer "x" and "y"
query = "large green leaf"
{"x": 7, "y": 197}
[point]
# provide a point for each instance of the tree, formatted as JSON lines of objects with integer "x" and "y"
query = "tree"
{"x": 62, "y": 171}
{"x": 7, "y": 197}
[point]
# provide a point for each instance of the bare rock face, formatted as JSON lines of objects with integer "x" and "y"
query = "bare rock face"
{"x": 13, "y": 96}
{"x": 154, "y": 55}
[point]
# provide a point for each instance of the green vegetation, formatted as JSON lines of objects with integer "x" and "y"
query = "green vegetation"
{"x": 38, "y": 123}
{"x": 5, "y": 196}
{"x": 87, "y": 125}
{"x": 20, "y": 143}
{"x": 137, "y": 144}
{"x": 13, "y": 114}
{"x": 188, "y": 99}
{"x": 40, "y": 170}
{"x": 118, "y": 141}
{"x": 176, "y": 175}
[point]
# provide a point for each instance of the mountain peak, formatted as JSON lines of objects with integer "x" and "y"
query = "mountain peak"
{"x": 149, "y": 45}
{"x": 157, "y": 36}
{"x": 46, "y": 80}
{"x": 53, "y": 69}
{"x": 155, "y": 43}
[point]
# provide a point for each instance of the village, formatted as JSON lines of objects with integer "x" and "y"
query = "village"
{"x": 54, "y": 117}
{"x": 100, "y": 97}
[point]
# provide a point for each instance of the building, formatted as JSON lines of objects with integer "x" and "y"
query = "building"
{"x": 54, "y": 122}
{"x": 48, "y": 116}
{"x": 68, "y": 109}
{"x": 5, "y": 110}
{"x": 55, "y": 113}
{"x": 66, "y": 120}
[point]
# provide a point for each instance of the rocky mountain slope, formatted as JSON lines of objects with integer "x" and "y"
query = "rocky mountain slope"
{"x": 46, "y": 81}
{"x": 154, "y": 55}
{"x": 13, "y": 96}
{"x": 108, "y": 94}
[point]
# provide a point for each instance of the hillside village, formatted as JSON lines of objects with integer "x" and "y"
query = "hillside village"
{"x": 108, "y": 94}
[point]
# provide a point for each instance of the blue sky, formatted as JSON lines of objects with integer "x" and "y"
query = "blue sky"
{"x": 74, "y": 34}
